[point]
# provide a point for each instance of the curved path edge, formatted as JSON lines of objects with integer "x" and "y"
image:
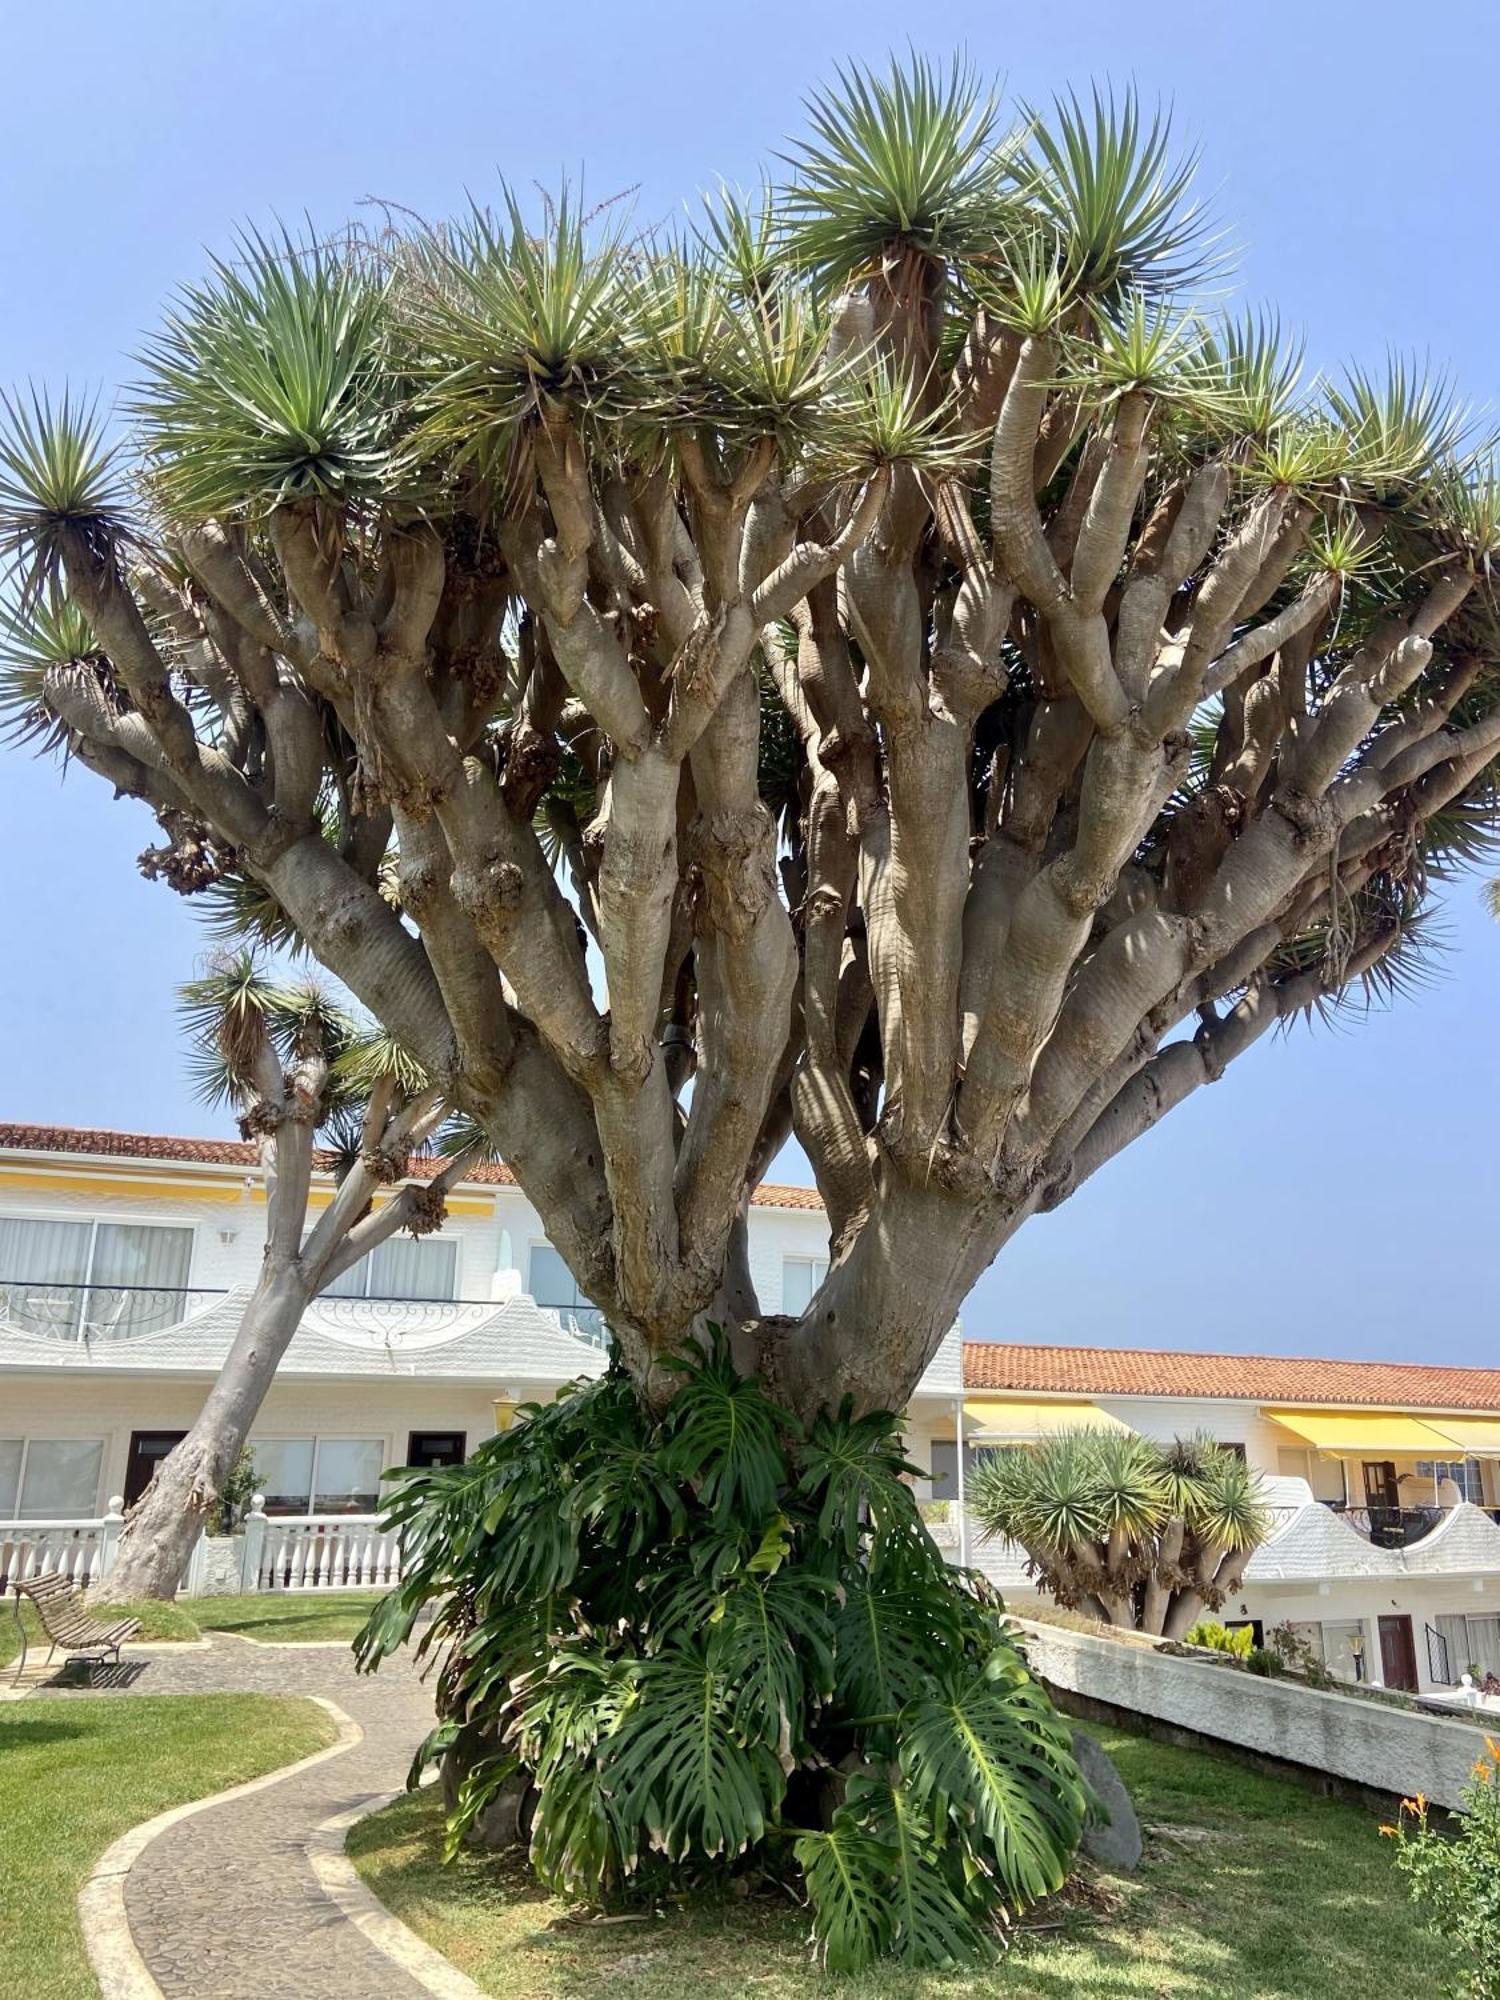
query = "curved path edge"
{"x": 341, "y": 1883}
{"x": 118, "y": 1966}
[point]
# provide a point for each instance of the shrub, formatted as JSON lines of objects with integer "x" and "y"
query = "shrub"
{"x": 1217, "y": 1638}
{"x": 712, "y": 1641}
{"x": 1261, "y": 1660}
{"x": 1455, "y": 1877}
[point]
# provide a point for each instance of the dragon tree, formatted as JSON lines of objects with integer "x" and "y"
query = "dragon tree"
{"x": 879, "y": 666}
{"x": 882, "y": 664}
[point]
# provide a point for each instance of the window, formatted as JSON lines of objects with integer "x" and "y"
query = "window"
{"x": 403, "y": 1267}
{"x": 319, "y": 1475}
{"x": 553, "y": 1285}
{"x": 50, "y": 1479}
{"x": 1344, "y": 1648}
{"x": 92, "y": 1280}
{"x": 1310, "y": 1633}
{"x": 800, "y": 1278}
{"x": 1464, "y": 1472}
{"x": 1453, "y": 1630}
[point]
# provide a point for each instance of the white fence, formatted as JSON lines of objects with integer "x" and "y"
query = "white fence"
{"x": 271, "y": 1552}
{"x": 332, "y": 1552}
{"x": 82, "y": 1550}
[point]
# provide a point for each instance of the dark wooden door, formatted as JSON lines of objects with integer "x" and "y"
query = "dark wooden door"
{"x": 147, "y": 1450}
{"x": 1381, "y": 1489}
{"x": 1398, "y": 1652}
{"x": 436, "y": 1447}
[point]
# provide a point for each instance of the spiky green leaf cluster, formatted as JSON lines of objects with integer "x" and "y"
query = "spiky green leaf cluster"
{"x": 674, "y": 1633}
{"x": 274, "y": 382}
{"x": 1087, "y": 1500}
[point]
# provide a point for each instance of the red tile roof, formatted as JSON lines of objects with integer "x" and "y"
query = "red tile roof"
{"x": 1254, "y": 1378}
{"x": 238, "y": 1153}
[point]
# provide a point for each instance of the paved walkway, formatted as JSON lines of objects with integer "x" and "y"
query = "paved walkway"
{"x": 225, "y": 1905}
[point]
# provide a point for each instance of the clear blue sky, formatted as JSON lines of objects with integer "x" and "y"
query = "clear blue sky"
{"x": 1336, "y": 1193}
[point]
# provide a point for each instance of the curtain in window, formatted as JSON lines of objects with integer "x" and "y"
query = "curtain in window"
{"x": 1484, "y": 1642}
{"x": 42, "y": 1263}
{"x": 10, "y": 1477}
{"x": 403, "y": 1267}
{"x": 139, "y": 1279}
{"x": 348, "y": 1476}
{"x": 1453, "y": 1629}
{"x": 412, "y": 1267}
{"x": 283, "y": 1472}
{"x": 61, "y": 1480}
{"x": 1340, "y": 1637}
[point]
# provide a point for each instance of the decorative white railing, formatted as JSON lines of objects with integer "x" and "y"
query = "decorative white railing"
{"x": 80, "y": 1550}
{"x": 326, "y": 1552}
{"x": 271, "y": 1552}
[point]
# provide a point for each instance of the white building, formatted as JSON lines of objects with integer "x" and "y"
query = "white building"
{"x": 124, "y": 1259}
{"x": 1383, "y": 1481}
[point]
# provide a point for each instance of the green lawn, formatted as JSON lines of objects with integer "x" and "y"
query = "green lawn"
{"x": 1253, "y": 1888}
{"x": 76, "y": 1774}
{"x": 279, "y": 1616}
{"x": 158, "y": 1621}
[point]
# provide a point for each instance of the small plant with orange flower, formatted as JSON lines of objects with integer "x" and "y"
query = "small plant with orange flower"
{"x": 1454, "y": 1873}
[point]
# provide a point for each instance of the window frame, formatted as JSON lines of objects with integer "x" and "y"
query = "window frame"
{"x": 317, "y": 1439}
{"x": 803, "y": 1257}
{"x": 577, "y": 1306}
{"x": 93, "y": 1218}
{"x": 30, "y": 1438}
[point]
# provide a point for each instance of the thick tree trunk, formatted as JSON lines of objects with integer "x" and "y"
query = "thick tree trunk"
{"x": 164, "y": 1526}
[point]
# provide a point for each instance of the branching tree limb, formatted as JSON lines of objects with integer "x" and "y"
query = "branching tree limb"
{"x": 877, "y": 671}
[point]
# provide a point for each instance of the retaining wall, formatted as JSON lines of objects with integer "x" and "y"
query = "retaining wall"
{"x": 1365, "y": 1743}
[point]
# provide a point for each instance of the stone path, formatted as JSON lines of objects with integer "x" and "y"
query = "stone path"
{"x": 226, "y": 1905}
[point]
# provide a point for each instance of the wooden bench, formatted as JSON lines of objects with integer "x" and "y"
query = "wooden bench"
{"x": 59, "y": 1607}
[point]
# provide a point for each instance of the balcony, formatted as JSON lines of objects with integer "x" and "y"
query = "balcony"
{"x": 95, "y": 1315}
{"x": 1392, "y": 1527}
{"x": 56, "y": 1311}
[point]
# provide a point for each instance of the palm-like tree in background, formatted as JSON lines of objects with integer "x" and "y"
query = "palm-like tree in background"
{"x": 293, "y": 1064}
{"x": 1134, "y": 1533}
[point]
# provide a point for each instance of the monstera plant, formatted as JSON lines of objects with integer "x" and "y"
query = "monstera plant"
{"x": 716, "y": 1640}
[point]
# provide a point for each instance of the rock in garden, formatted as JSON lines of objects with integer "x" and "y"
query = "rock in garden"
{"x": 1113, "y": 1841}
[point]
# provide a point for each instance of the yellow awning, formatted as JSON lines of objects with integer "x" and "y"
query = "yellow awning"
{"x": 1476, "y": 1437}
{"x": 1363, "y": 1433}
{"x": 1012, "y": 1423}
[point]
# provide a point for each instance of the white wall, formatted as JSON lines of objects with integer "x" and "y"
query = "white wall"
{"x": 111, "y": 1409}
{"x": 229, "y": 1205}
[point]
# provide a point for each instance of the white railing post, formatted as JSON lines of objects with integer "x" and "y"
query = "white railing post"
{"x": 109, "y": 1538}
{"x": 255, "y": 1544}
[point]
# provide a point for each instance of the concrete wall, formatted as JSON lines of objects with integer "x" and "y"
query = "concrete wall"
{"x": 1363, "y": 1742}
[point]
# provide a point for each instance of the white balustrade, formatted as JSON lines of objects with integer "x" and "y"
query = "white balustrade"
{"x": 80, "y": 1550}
{"x": 323, "y": 1552}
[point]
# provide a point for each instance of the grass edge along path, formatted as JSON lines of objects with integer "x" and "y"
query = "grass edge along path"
{"x": 1251, "y": 1886}
{"x": 77, "y": 1774}
{"x": 289, "y": 1617}
{"x": 279, "y": 1618}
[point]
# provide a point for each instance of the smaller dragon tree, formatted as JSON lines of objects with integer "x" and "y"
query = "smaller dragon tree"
{"x": 293, "y": 1064}
{"x": 1134, "y": 1533}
